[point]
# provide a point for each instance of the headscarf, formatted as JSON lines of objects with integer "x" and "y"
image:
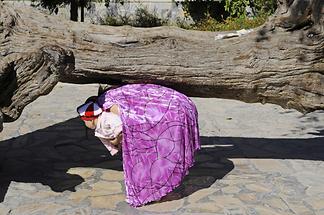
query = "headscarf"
{"x": 89, "y": 111}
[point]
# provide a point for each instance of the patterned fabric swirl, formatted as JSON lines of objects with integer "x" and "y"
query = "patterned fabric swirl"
{"x": 160, "y": 137}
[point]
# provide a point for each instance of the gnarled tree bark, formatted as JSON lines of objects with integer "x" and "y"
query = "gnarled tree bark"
{"x": 280, "y": 62}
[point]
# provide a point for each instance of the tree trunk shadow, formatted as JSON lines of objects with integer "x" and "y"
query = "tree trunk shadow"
{"x": 45, "y": 156}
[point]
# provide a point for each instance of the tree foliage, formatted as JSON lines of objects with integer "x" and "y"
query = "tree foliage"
{"x": 53, "y": 6}
{"x": 238, "y": 8}
{"x": 201, "y": 9}
{"x": 141, "y": 18}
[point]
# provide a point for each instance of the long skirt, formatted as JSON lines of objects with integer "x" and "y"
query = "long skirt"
{"x": 160, "y": 137}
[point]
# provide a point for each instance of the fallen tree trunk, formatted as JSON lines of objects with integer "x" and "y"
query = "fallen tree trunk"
{"x": 281, "y": 62}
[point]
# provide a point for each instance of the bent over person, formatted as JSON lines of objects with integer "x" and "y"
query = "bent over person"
{"x": 156, "y": 130}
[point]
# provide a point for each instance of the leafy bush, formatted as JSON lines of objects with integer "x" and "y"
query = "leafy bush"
{"x": 210, "y": 24}
{"x": 142, "y": 18}
{"x": 200, "y": 9}
{"x": 117, "y": 20}
{"x": 235, "y": 16}
{"x": 237, "y": 8}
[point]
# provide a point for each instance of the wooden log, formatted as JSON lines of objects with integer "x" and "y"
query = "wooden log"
{"x": 281, "y": 62}
{"x": 26, "y": 77}
{"x": 1, "y": 121}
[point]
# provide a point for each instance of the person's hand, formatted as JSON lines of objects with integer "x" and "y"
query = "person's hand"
{"x": 116, "y": 141}
{"x": 91, "y": 124}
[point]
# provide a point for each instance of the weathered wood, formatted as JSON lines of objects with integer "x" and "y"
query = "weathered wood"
{"x": 26, "y": 77}
{"x": 1, "y": 122}
{"x": 281, "y": 62}
{"x": 294, "y": 14}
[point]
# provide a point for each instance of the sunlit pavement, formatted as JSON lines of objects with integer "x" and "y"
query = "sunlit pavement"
{"x": 255, "y": 159}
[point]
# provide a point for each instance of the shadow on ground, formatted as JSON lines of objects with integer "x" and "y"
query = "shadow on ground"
{"x": 213, "y": 159}
{"x": 286, "y": 148}
{"x": 44, "y": 156}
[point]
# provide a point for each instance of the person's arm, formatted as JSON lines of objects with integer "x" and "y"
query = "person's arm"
{"x": 117, "y": 140}
{"x": 111, "y": 148}
{"x": 114, "y": 109}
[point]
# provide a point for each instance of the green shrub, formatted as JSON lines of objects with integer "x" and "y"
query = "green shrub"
{"x": 237, "y": 19}
{"x": 201, "y": 9}
{"x": 117, "y": 20}
{"x": 237, "y": 8}
{"x": 210, "y": 24}
{"x": 142, "y": 18}
{"x": 235, "y": 16}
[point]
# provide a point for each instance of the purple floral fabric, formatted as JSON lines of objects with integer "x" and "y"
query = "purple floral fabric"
{"x": 160, "y": 137}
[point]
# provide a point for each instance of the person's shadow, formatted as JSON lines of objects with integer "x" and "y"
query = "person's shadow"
{"x": 44, "y": 156}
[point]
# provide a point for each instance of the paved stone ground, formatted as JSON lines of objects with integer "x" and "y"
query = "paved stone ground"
{"x": 255, "y": 159}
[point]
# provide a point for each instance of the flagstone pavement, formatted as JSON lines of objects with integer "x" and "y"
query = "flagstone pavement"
{"x": 255, "y": 159}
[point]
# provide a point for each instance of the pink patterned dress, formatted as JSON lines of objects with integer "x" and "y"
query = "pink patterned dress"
{"x": 160, "y": 138}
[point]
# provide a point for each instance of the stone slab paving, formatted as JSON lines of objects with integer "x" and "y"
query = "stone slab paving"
{"x": 255, "y": 159}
